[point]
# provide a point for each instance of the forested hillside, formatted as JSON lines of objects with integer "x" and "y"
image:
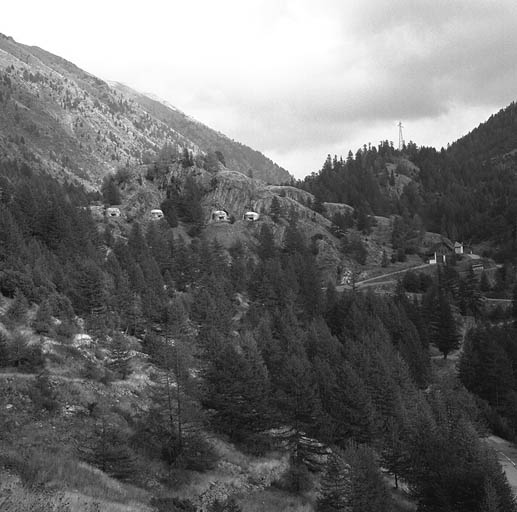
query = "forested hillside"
{"x": 465, "y": 192}
{"x": 241, "y": 345}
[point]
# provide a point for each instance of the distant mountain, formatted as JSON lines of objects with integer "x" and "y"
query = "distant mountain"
{"x": 73, "y": 124}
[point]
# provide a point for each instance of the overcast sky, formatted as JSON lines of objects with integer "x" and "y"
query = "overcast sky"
{"x": 295, "y": 79}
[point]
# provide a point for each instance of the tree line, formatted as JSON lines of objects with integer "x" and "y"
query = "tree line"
{"x": 343, "y": 382}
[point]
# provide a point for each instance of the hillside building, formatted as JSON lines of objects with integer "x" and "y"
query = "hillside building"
{"x": 220, "y": 216}
{"x": 439, "y": 252}
{"x": 156, "y": 214}
{"x": 251, "y": 216}
{"x": 113, "y": 212}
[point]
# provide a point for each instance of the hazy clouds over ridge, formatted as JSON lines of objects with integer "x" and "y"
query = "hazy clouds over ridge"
{"x": 294, "y": 78}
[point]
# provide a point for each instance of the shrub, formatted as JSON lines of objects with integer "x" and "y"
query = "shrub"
{"x": 23, "y": 355}
{"x": 197, "y": 455}
{"x": 18, "y": 309}
{"x": 42, "y": 324}
{"x": 43, "y": 393}
{"x": 172, "y": 505}
{"x": 12, "y": 280}
{"x": 65, "y": 331}
{"x": 296, "y": 479}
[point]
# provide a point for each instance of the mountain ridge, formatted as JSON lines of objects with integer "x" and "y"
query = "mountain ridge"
{"x": 78, "y": 126}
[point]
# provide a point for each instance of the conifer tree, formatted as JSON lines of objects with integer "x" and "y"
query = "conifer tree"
{"x": 110, "y": 451}
{"x": 18, "y": 309}
{"x": 110, "y": 191}
{"x": 266, "y": 248}
{"x": 237, "y": 389}
{"x": 368, "y": 491}
{"x": 336, "y": 487}
{"x": 443, "y": 328}
{"x": 120, "y": 355}
{"x": 4, "y": 350}
{"x": 42, "y": 324}
{"x": 275, "y": 210}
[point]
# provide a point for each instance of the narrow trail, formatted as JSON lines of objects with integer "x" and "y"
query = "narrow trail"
{"x": 364, "y": 282}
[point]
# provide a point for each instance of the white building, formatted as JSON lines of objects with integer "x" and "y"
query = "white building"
{"x": 156, "y": 214}
{"x": 220, "y": 216}
{"x": 113, "y": 212}
{"x": 251, "y": 216}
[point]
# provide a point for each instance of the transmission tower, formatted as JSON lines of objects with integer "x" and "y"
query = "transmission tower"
{"x": 401, "y": 137}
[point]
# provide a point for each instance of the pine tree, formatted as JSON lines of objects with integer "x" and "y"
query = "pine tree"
{"x": 298, "y": 402}
{"x": 470, "y": 297}
{"x": 336, "y": 487}
{"x": 484, "y": 283}
{"x": 385, "y": 260}
{"x": 120, "y": 355}
{"x": 110, "y": 191}
{"x": 394, "y": 453}
{"x": 266, "y": 248}
{"x": 89, "y": 289}
{"x": 169, "y": 212}
{"x": 368, "y": 491}
{"x": 444, "y": 331}
{"x": 111, "y": 452}
{"x": 18, "y": 309}
{"x": 237, "y": 388}
{"x": 4, "y": 350}
{"x": 42, "y": 324}
{"x": 275, "y": 210}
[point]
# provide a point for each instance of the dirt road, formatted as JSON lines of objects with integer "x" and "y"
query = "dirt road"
{"x": 382, "y": 278}
{"x": 507, "y": 455}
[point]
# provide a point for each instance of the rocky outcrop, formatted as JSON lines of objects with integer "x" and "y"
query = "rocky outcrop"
{"x": 332, "y": 208}
{"x": 237, "y": 193}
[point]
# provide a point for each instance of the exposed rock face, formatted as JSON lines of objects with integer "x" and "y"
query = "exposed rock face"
{"x": 294, "y": 193}
{"x": 333, "y": 208}
{"x": 74, "y": 125}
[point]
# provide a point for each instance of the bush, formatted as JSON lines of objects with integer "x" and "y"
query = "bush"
{"x": 12, "y": 280}
{"x": 17, "y": 310}
{"x": 197, "y": 455}
{"x": 43, "y": 394}
{"x": 65, "y": 331}
{"x": 172, "y": 505}
{"x": 93, "y": 371}
{"x": 296, "y": 479}
{"x": 23, "y": 355}
{"x": 42, "y": 324}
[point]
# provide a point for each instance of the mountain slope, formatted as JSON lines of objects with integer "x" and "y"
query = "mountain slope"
{"x": 237, "y": 156}
{"x": 73, "y": 124}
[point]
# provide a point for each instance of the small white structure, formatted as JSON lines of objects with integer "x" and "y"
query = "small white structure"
{"x": 112, "y": 212}
{"x": 220, "y": 216}
{"x": 458, "y": 248}
{"x": 156, "y": 214}
{"x": 251, "y": 216}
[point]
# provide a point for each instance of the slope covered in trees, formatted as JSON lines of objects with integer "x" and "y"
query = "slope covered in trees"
{"x": 465, "y": 192}
{"x": 246, "y": 345}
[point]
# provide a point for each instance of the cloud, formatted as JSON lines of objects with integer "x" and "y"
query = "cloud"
{"x": 295, "y": 78}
